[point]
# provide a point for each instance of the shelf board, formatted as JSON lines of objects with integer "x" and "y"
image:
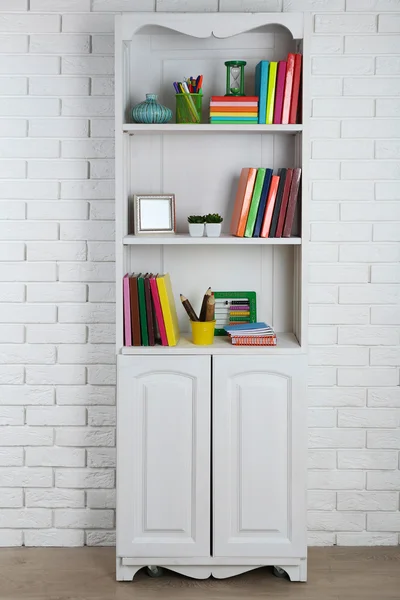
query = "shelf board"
{"x": 287, "y": 344}
{"x": 133, "y": 128}
{"x": 186, "y": 239}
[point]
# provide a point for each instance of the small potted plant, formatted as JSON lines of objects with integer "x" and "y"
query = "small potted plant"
{"x": 213, "y": 225}
{"x": 196, "y": 225}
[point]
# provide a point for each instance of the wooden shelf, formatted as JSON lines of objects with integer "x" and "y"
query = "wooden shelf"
{"x": 132, "y": 128}
{"x": 287, "y": 344}
{"x": 185, "y": 239}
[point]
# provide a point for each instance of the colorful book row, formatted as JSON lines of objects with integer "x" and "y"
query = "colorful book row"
{"x": 149, "y": 310}
{"x": 265, "y": 203}
{"x": 278, "y": 89}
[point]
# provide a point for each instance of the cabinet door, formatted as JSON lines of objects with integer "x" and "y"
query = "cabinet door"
{"x": 259, "y": 456}
{"x": 163, "y": 449}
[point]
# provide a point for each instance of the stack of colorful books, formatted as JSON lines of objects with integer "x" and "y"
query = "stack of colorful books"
{"x": 265, "y": 203}
{"x": 252, "y": 334}
{"x": 149, "y": 311}
{"x": 234, "y": 110}
{"x": 278, "y": 88}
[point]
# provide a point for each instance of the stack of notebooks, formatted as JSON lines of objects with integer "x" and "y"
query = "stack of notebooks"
{"x": 278, "y": 89}
{"x": 233, "y": 110}
{"x": 265, "y": 203}
{"x": 149, "y": 310}
{"x": 251, "y": 334}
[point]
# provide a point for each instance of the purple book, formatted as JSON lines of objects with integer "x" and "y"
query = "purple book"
{"x": 280, "y": 90}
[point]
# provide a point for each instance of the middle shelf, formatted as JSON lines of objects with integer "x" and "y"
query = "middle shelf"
{"x": 186, "y": 239}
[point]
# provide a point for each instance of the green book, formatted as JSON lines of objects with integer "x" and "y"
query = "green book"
{"x": 142, "y": 311}
{"x": 234, "y": 122}
{"x": 255, "y": 201}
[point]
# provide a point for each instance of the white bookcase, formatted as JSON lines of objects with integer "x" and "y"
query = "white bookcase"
{"x": 211, "y": 441}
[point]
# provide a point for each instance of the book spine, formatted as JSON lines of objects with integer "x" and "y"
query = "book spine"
{"x": 273, "y": 66}
{"x": 287, "y": 97}
{"x": 142, "y": 311}
{"x": 127, "y": 312}
{"x": 282, "y": 210}
{"x": 158, "y": 311}
{"x": 293, "y": 196}
{"x": 269, "y": 209}
{"x": 254, "y": 341}
{"x": 280, "y": 88}
{"x": 296, "y": 89}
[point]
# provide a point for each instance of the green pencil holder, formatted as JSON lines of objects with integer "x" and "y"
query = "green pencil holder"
{"x": 188, "y": 108}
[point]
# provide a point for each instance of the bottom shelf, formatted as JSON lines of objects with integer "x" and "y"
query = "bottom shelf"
{"x": 287, "y": 344}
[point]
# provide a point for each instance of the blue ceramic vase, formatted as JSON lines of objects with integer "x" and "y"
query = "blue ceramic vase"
{"x": 150, "y": 111}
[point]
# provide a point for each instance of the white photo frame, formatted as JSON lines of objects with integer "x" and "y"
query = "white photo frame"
{"x": 154, "y": 214}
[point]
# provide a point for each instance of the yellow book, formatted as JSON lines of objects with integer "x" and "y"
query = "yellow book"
{"x": 168, "y": 309}
{"x": 273, "y": 66}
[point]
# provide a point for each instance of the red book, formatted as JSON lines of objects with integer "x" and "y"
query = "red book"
{"x": 296, "y": 90}
{"x": 282, "y": 212}
{"x": 269, "y": 209}
{"x": 294, "y": 193}
{"x": 280, "y": 88}
{"x": 229, "y": 99}
{"x": 243, "y": 200}
{"x": 287, "y": 95}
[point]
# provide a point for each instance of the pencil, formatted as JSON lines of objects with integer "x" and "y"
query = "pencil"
{"x": 204, "y": 305}
{"x": 189, "y": 308}
{"x": 210, "y": 308}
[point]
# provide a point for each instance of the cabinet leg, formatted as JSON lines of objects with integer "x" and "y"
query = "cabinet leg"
{"x": 126, "y": 573}
{"x": 294, "y": 572}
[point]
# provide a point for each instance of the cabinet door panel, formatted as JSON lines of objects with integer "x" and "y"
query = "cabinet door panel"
{"x": 259, "y": 454}
{"x": 163, "y": 456}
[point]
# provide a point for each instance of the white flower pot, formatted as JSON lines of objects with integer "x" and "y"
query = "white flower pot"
{"x": 196, "y": 229}
{"x": 213, "y": 229}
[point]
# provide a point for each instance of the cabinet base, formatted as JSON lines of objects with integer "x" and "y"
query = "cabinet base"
{"x": 297, "y": 571}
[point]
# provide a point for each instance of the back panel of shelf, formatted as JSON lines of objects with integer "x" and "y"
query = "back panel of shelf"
{"x": 203, "y": 171}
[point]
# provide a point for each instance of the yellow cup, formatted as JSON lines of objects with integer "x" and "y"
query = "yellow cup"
{"x": 203, "y": 332}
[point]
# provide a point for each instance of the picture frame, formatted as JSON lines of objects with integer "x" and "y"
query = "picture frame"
{"x": 223, "y": 303}
{"x": 154, "y": 214}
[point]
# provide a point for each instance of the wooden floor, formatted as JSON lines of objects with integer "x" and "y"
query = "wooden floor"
{"x": 88, "y": 574}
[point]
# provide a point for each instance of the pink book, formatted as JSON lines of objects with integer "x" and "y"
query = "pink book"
{"x": 287, "y": 96}
{"x": 127, "y": 312}
{"x": 158, "y": 309}
{"x": 280, "y": 90}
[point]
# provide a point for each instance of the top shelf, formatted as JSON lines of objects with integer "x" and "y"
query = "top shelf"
{"x": 135, "y": 128}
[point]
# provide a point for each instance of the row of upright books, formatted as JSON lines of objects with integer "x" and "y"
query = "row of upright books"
{"x": 265, "y": 203}
{"x": 251, "y": 334}
{"x": 278, "y": 90}
{"x": 149, "y": 310}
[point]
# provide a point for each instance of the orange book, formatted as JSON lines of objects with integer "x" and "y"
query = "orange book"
{"x": 296, "y": 90}
{"x": 287, "y": 95}
{"x": 269, "y": 209}
{"x": 243, "y": 200}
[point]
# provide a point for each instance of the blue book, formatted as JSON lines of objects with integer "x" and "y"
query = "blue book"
{"x": 262, "y": 70}
{"x": 263, "y": 202}
{"x": 245, "y": 329}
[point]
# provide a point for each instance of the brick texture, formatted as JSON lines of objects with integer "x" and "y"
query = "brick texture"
{"x": 57, "y": 364}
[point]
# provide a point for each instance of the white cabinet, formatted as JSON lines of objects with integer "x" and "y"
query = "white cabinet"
{"x": 259, "y": 456}
{"x": 163, "y": 456}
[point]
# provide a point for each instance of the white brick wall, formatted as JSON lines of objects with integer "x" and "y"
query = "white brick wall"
{"x": 57, "y": 409}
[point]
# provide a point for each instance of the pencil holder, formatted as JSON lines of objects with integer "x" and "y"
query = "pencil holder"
{"x": 203, "y": 332}
{"x": 188, "y": 108}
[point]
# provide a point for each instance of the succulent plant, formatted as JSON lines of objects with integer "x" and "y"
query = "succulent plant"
{"x": 196, "y": 219}
{"x": 213, "y": 218}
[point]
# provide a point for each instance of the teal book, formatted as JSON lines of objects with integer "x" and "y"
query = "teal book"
{"x": 142, "y": 311}
{"x": 262, "y": 70}
{"x": 255, "y": 201}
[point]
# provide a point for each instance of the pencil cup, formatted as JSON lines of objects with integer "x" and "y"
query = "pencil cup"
{"x": 188, "y": 108}
{"x": 203, "y": 332}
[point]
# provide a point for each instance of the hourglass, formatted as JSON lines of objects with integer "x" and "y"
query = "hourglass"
{"x": 235, "y": 77}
